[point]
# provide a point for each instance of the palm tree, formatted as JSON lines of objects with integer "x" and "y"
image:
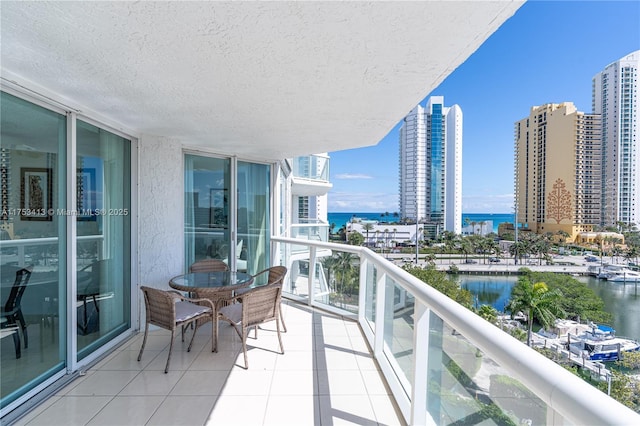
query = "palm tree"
{"x": 482, "y": 225}
{"x": 537, "y": 302}
{"x": 367, "y": 227}
{"x": 345, "y": 270}
{"x": 473, "y": 226}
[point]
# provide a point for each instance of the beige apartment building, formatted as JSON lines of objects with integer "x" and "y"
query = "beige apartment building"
{"x": 557, "y": 170}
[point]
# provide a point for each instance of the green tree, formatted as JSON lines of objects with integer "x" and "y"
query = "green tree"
{"x": 622, "y": 389}
{"x": 630, "y": 360}
{"x": 356, "y": 238}
{"x": 537, "y": 302}
{"x": 346, "y": 273}
{"x": 489, "y": 313}
{"x": 579, "y": 302}
{"x": 442, "y": 283}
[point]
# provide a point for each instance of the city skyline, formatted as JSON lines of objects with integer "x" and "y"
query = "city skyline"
{"x": 548, "y": 52}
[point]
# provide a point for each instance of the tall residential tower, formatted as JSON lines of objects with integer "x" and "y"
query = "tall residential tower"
{"x": 431, "y": 167}
{"x": 557, "y": 170}
{"x": 615, "y": 98}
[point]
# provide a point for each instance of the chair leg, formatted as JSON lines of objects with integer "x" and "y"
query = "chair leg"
{"x": 215, "y": 334}
{"x": 279, "y": 337}
{"x": 284, "y": 327}
{"x": 23, "y": 326}
{"x": 16, "y": 343}
{"x": 245, "y": 332}
{"x": 166, "y": 368}
{"x": 144, "y": 341}
{"x": 195, "y": 329}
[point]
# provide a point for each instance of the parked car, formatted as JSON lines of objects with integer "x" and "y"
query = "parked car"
{"x": 494, "y": 260}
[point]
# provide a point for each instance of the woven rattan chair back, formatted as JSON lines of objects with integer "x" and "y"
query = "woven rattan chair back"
{"x": 170, "y": 310}
{"x": 208, "y": 265}
{"x": 275, "y": 275}
{"x": 259, "y": 305}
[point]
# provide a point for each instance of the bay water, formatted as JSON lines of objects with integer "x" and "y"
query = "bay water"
{"x": 621, "y": 300}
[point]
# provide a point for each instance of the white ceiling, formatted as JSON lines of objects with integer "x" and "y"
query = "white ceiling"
{"x": 257, "y": 79}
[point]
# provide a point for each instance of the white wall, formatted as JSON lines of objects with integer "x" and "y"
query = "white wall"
{"x": 161, "y": 210}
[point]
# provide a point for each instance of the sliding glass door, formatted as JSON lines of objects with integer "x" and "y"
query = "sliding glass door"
{"x": 103, "y": 242}
{"x": 206, "y": 206}
{"x": 38, "y": 217}
{"x": 227, "y": 214}
{"x": 32, "y": 185}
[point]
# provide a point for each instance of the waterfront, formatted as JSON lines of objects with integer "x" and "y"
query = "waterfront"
{"x": 621, "y": 300}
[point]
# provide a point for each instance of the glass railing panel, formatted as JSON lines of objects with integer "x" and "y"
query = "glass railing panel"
{"x": 465, "y": 386}
{"x": 370, "y": 294}
{"x": 314, "y": 232}
{"x": 342, "y": 273}
{"x": 311, "y": 167}
{"x": 398, "y": 331}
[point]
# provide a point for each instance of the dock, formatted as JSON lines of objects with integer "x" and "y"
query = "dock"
{"x": 596, "y": 368}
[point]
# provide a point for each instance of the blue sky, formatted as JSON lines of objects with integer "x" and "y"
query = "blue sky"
{"x": 548, "y": 52}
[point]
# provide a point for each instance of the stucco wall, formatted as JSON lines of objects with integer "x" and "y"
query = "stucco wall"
{"x": 161, "y": 223}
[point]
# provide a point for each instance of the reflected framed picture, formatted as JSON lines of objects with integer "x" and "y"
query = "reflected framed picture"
{"x": 36, "y": 195}
{"x": 86, "y": 194}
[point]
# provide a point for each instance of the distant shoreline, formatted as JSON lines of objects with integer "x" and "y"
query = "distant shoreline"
{"x": 341, "y": 218}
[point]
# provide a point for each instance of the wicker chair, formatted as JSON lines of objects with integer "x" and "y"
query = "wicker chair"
{"x": 276, "y": 275}
{"x": 208, "y": 265}
{"x": 257, "y": 306}
{"x": 170, "y": 310}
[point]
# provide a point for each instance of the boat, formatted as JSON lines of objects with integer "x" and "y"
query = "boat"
{"x": 596, "y": 342}
{"x": 614, "y": 272}
{"x": 599, "y": 343}
{"x": 625, "y": 275}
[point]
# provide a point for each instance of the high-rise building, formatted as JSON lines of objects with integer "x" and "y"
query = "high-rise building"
{"x": 615, "y": 98}
{"x": 431, "y": 167}
{"x": 557, "y": 170}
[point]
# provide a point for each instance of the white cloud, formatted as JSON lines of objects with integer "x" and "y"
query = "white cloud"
{"x": 352, "y": 176}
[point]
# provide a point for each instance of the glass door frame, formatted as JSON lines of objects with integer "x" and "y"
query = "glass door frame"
{"x": 233, "y": 199}
{"x": 76, "y": 365}
{"x": 73, "y": 366}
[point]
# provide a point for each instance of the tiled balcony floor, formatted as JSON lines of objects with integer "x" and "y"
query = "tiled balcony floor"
{"x": 326, "y": 377}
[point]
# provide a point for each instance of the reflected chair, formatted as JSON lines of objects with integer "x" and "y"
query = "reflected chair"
{"x": 254, "y": 307}
{"x": 92, "y": 282}
{"x": 168, "y": 309}
{"x": 11, "y": 312}
{"x": 275, "y": 275}
{"x": 208, "y": 265}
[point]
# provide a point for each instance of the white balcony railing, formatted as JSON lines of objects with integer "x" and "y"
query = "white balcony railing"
{"x": 443, "y": 363}
{"x": 311, "y": 167}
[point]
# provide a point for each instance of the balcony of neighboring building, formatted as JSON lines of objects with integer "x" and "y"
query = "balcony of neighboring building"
{"x": 310, "y": 175}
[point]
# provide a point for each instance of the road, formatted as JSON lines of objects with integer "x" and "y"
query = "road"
{"x": 567, "y": 264}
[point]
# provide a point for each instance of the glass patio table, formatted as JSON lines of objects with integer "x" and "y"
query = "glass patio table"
{"x": 206, "y": 282}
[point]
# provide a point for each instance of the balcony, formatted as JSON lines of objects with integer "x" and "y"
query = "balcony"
{"x": 311, "y": 175}
{"x": 381, "y": 347}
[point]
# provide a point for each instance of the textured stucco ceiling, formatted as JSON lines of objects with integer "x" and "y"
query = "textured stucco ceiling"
{"x": 257, "y": 79}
